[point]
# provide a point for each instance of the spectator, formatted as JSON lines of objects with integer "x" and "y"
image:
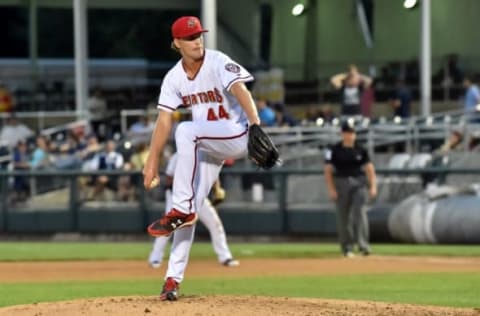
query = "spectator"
{"x": 125, "y": 185}
{"x": 87, "y": 159}
{"x": 351, "y": 86}
{"x": 472, "y": 95}
{"x": 87, "y": 154}
{"x": 139, "y": 158}
{"x": 97, "y": 107}
{"x": 314, "y": 116}
{"x": 41, "y": 155}
{"x": 126, "y": 191}
{"x": 282, "y": 117}
{"x": 75, "y": 142}
{"x": 326, "y": 113}
{"x": 453, "y": 142}
{"x": 13, "y": 131}
{"x": 69, "y": 153}
{"x": 6, "y": 99}
{"x": 21, "y": 185}
{"x": 366, "y": 101}
{"x": 266, "y": 114}
{"x": 109, "y": 159}
{"x": 474, "y": 143}
{"x": 401, "y": 100}
{"x": 311, "y": 115}
{"x": 142, "y": 126}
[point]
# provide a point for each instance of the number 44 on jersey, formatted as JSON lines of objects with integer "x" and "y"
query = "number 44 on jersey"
{"x": 222, "y": 114}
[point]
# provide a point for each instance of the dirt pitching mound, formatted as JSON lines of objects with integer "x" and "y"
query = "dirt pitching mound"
{"x": 226, "y": 305}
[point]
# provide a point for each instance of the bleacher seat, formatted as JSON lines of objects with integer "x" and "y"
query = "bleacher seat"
{"x": 420, "y": 160}
{"x": 396, "y": 187}
{"x": 398, "y": 161}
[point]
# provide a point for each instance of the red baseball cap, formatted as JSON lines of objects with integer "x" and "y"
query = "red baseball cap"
{"x": 186, "y": 26}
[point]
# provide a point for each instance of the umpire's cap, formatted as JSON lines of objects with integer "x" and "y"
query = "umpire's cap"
{"x": 348, "y": 126}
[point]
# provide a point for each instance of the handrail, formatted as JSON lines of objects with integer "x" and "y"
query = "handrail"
{"x": 239, "y": 171}
{"x": 40, "y": 116}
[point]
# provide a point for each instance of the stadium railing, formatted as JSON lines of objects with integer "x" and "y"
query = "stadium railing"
{"x": 296, "y": 199}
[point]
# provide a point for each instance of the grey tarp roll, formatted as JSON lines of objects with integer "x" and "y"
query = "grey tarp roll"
{"x": 445, "y": 218}
{"x": 457, "y": 220}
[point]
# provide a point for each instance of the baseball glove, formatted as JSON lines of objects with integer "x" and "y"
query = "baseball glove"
{"x": 261, "y": 149}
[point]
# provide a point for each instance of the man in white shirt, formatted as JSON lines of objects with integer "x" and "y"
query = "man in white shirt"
{"x": 109, "y": 159}
{"x": 13, "y": 131}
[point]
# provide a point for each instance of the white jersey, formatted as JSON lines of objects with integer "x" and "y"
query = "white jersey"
{"x": 208, "y": 93}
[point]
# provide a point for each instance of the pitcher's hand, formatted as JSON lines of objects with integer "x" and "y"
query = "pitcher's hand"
{"x": 150, "y": 177}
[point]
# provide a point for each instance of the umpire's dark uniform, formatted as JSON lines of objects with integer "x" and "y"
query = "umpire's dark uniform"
{"x": 350, "y": 177}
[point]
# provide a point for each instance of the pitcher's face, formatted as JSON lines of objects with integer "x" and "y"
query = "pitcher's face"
{"x": 191, "y": 47}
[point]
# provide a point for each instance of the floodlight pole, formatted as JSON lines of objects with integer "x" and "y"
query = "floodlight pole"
{"x": 426, "y": 67}
{"x": 209, "y": 21}
{"x": 81, "y": 58}
{"x": 33, "y": 42}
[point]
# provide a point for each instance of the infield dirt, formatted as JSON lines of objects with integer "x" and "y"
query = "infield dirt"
{"x": 228, "y": 305}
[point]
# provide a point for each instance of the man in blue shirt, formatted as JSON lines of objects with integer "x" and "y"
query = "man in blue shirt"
{"x": 472, "y": 95}
{"x": 401, "y": 100}
{"x": 266, "y": 114}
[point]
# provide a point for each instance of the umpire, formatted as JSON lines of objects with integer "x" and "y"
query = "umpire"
{"x": 346, "y": 165}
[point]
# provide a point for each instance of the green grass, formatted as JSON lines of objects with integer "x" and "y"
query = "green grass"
{"x": 58, "y": 251}
{"x": 447, "y": 289}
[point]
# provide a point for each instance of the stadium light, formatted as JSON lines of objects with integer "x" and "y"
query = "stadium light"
{"x": 319, "y": 121}
{"x": 410, "y": 4}
{"x": 298, "y": 9}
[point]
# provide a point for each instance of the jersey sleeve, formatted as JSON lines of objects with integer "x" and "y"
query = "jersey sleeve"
{"x": 231, "y": 72}
{"x": 172, "y": 163}
{"x": 169, "y": 99}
